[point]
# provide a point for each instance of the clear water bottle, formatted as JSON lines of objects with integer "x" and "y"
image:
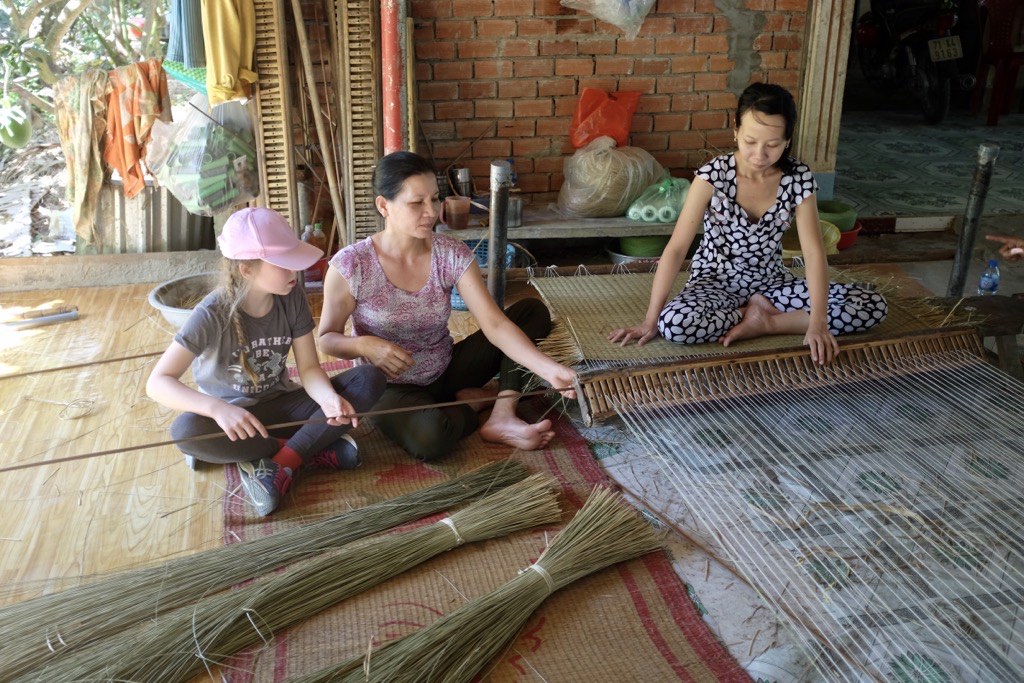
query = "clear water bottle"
{"x": 989, "y": 282}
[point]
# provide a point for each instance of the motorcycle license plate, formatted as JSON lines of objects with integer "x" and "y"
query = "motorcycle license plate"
{"x": 945, "y": 49}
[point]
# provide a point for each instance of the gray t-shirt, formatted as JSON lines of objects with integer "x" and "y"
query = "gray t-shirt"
{"x": 217, "y": 368}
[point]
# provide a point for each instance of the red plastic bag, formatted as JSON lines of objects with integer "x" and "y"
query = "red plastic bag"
{"x": 599, "y": 113}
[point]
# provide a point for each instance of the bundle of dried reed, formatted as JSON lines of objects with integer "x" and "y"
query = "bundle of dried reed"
{"x": 52, "y": 626}
{"x": 459, "y": 645}
{"x": 181, "y": 644}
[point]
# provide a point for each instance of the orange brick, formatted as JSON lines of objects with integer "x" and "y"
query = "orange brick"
{"x": 472, "y": 8}
{"x": 694, "y": 24}
{"x": 536, "y": 27}
{"x": 564, "y": 106}
{"x": 787, "y": 79}
{"x": 474, "y": 49}
{"x": 674, "y": 45}
{"x": 448, "y": 150}
{"x": 473, "y": 90}
{"x": 532, "y": 147}
{"x": 548, "y": 48}
{"x": 786, "y": 41}
{"x": 689, "y": 102}
{"x": 552, "y": 126}
{"x": 423, "y": 72}
{"x": 652, "y": 66}
{"x": 517, "y": 88}
{"x": 671, "y": 122}
{"x": 534, "y": 108}
{"x": 711, "y": 43}
{"x": 551, "y": 8}
{"x": 710, "y": 81}
{"x": 773, "y": 60}
{"x": 453, "y": 110}
{"x": 605, "y": 84}
{"x": 721, "y": 63}
{"x": 492, "y": 148}
{"x": 641, "y": 123}
{"x": 675, "y": 84}
{"x": 705, "y": 7}
{"x": 686, "y": 139}
{"x": 675, "y": 7}
{"x": 721, "y": 100}
{"x": 517, "y": 128}
{"x": 424, "y": 31}
{"x": 641, "y": 84}
{"x": 774, "y": 22}
{"x": 448, "y": 29}
{"x": 548, "y": 164}
{"x": 651, "y": 142}
{"x": 797, "y": 22}
{"x": 721, "y": 139}
{"x": 493, "y": 109}
{"x": 438, "y": 90}
{"x": 689, "y": 64}
{"x": 708, "y": 120}
{"x": 533, "y": 68}
{"x": 472, "y": 129}
{"x": 430, "y": 9}
{"x": 791, "y": 5}
{"x": 794, "y": 60}
{"x": 435, "y": 50}
{"x": 437, "y": 130}
{"x": 596, "y": 46}
{"x": 525, "y": 165}
{"x": 557, "y": 86}
{"x": 721, "y": 24}
{"x": 487, "y": 68}
{"x": 573, "y": 67}
{"x": 574, "y": 26}
{"x": 517, "y": 48}
{"x": 762, "y": 42}
{"x": 654, "y": 104}
{"x": 453, "y": 71}
{"x": 637, "y": 46}
{"x": 617, "y": 66}
{"x": 513, "y": 8}
{"x": 655, "y": 25}
{"x": 496, "y": 28}
{"x": 425, "y": 110}
{"x": 758, "y": 4}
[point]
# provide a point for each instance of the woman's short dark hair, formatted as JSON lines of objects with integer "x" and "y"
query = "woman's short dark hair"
{"x": 394, "y": 169}
{"x": 772, "y": 100}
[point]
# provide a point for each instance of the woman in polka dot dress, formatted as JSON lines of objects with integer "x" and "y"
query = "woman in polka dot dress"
{"x": 738, "y": 287}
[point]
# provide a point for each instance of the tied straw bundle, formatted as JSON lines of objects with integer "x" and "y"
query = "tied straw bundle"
{"x": 52, "y": 626}
{"x": 180, "y": 645}
{"x": 459, "y": 645}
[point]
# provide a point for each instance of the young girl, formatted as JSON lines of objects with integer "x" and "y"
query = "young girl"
{"x": 396, "y": 286}
{"x": 738, "y": 287}
{"x": 237, "y": 341}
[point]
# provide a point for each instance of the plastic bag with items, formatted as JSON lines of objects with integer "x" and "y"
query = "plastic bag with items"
{"x": 602, "y": 180}
{"x": 661, "y": 202}
{"x": 207, "y": 161}
{"x": 627, "y": 15}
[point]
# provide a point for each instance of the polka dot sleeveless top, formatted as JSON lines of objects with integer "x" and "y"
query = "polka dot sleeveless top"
{"x": 733, "y": 244}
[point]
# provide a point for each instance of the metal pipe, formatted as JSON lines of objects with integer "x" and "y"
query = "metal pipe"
{"x": 987, "y": 154}
{"x": 501, "y": 181}
{"x": 392, "y": 77}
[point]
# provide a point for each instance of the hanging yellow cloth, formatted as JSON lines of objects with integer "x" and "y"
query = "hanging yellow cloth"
{"x": 81, "y": 104}
{"x": 229, "y": 30}
{"x": 138, "y": 97}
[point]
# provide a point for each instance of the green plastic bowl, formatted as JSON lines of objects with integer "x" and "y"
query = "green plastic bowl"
{"x": 841, "y": 215}
{"x": 644, "y": 246}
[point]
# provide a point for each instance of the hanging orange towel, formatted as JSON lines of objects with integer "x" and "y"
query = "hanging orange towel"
{"x": 137, "y": 98}
{"x": 229, "y": 30}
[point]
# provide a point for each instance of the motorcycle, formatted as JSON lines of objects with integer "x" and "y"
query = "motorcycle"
{"x": 913, "y": 44}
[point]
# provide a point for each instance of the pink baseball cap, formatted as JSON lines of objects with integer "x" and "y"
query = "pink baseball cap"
{"x": 264, "y": 234}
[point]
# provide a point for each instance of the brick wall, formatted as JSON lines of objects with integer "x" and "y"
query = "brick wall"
{"x": 523, "y": 64}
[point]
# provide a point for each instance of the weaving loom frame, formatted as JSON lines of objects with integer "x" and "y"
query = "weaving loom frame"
{"x": 662, "y": 385}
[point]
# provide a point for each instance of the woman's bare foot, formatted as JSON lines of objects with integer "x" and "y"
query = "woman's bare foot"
{"x": 756, "y": 322}
{"x": 481, "y": 397}
{"x": 503, "y": 426}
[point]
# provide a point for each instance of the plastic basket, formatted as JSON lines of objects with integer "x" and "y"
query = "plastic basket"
{"x": 193, "y": 78}
{"x": 480, "y": 250}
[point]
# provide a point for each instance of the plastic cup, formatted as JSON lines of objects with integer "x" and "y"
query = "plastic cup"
{"x": 456, "y": 213}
